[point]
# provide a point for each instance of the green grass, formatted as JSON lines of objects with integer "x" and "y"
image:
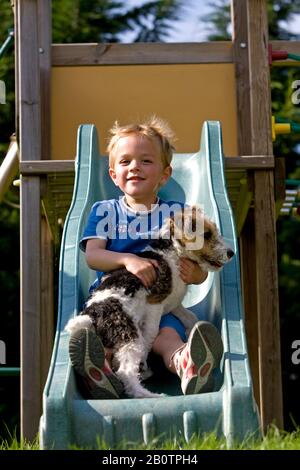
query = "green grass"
{"x": 274, "y": 440}
{"x": 13, "y": 443}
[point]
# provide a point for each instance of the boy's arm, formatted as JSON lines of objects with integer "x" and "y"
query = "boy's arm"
{"x": 101, "y": 259}
{"x": 98, "y": 258}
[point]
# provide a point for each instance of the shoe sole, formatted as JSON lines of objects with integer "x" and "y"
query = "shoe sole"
{"x": 206, "y": 350}
{"x": 86, "y": 350}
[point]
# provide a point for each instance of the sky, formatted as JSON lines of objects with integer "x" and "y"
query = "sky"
{"x": 190, "y": 29}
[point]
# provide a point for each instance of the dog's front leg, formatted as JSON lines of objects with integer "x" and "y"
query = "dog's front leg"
{"x": 150, "y": 328}
{"x": 150, "y": 331}
{"x": 129, "y": 357}
{"x": 187, "y": 317}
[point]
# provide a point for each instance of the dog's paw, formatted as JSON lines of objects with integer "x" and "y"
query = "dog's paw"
{"x": 146, "y": 373}
{"x": 148, "y": 394}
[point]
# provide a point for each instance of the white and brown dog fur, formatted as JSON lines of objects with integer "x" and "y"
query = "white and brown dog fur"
{"x": 126, "y": 315}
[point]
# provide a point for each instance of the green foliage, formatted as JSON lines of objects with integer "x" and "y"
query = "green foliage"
{"x": 275, "y": 439}
{"x": 7, "y": 111}
{"x": 218, "y": 21}
{"x": 106, "y": 20}
{"x": 279, "y": 13}
{"x": 10, "y": 307}
{"x": 13, "y": 443}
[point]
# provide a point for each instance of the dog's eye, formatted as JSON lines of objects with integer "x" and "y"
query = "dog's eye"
{"x": 207, "y": 235}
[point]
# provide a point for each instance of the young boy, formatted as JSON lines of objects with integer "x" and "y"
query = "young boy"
{"x": 139, "y": 164}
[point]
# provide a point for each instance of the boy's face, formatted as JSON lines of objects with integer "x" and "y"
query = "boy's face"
{"x": 138, "y": 169}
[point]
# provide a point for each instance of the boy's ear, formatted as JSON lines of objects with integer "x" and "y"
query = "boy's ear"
{"x": 166, "y": 174}
{"x": 113, "y": 175}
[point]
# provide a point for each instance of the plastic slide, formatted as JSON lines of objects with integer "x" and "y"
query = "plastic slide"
{"x": 230, "y": 410}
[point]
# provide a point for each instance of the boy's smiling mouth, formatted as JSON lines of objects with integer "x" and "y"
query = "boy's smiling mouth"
{"x": 136, "y": 178}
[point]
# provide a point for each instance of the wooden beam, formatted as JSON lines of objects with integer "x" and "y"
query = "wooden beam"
{"x": 241, "y": 59}
{"x": 30, "y": 265}
{"x": 260, "y": 281}
{"x": 292, "y": 47}
{"x": 30, "y": 149}
{"x": 247, "y": 244}
{"x": 47, "y": 166}
{"x": 141, "y": 53}
{"x": 45, "y": 40}
{"x": 62, "y": 166}
{"x": 29, "y": 83}
{"x": 249, "y": 162}
{"x": 265, "y": 229}
{"x": 163, "y": 53}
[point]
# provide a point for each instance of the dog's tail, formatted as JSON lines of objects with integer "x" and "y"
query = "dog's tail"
{"x": 77, "y": 323}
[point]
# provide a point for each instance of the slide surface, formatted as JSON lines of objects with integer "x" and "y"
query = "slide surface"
{"x": 230, "y": 410}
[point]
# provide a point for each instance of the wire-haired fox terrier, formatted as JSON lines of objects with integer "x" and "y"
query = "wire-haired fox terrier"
{"x": 126, "y": 315}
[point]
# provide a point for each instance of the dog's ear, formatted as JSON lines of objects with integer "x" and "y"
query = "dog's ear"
{"x": 193, "y": 220}
{"x": 172, "y": 227}
{"x": 171, "y": 223}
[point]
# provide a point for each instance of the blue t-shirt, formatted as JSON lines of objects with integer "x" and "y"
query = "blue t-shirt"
{"x": 124, "y": 229}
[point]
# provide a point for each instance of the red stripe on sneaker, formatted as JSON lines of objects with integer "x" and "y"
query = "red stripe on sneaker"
{"x": 95, "y": 373}
{"x": 204, "y": 369}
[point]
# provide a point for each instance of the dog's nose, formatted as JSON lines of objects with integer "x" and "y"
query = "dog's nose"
{"x": 230, "y": 253}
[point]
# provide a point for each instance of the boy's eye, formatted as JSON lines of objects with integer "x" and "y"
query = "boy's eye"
{"x": 124, "y": 162}
{"x": 147, "y": 161}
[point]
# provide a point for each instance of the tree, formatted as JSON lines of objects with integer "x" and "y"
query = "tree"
{"x": 106, "y": 20}
{"x": 218, "y": 21}
{"x": 280, "y": 12}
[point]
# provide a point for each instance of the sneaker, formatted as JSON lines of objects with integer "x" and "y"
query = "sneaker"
{"x": 195, "y": 361}
{"x": 88, "y": 359}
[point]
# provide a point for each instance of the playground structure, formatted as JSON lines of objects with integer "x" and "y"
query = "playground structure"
{"x": 59, "y": 87}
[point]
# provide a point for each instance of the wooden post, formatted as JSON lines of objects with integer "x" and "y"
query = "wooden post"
{"x": 240, "y": 55}
{"x": 251, "y": 29}
{"x": 30, "y": 149}
{"x": 247, "y": 237}
{"x": 47, "y": 259}
{"x": 45, "y": 40}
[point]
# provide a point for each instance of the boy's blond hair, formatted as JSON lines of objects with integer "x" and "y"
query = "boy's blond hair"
{"x": 152, "y": 128}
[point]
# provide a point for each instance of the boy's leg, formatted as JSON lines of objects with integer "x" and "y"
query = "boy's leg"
{"x": 87, "y": 356}
{"x": 193, "y": 360}
{"x": 167, "y": 341}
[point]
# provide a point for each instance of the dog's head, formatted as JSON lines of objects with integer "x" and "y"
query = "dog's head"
{"x": 196, "y": 237}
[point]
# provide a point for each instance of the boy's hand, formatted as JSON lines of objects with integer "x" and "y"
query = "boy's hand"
{"x": 190, "y": 272}
{"x": 143, "y": 268}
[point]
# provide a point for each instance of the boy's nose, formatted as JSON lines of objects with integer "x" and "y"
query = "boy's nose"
{"x": 134, "y": 165}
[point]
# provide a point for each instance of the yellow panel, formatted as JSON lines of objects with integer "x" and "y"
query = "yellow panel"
{"x": 185, "y": 95}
